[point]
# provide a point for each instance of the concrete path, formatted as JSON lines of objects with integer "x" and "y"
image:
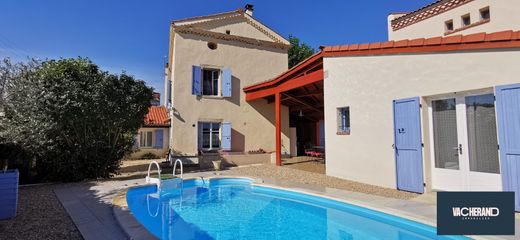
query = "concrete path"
{"x": 91, "y": 211}
{"x": 90, "y": 206}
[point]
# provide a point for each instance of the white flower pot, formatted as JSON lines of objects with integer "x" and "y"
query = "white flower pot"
{"x": 216, "y": 165}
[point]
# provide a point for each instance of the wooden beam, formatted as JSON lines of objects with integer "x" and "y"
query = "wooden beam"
{"x": 310, "y": 94}
{"x": 278, "y": 136}
{"x": 302, "y": 102}
{"x": 301, "y": 81}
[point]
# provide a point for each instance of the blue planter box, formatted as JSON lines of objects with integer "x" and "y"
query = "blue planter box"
{"x": 8, "y": 193}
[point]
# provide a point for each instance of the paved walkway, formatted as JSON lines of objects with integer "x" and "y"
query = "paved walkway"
{"x": 90, "y": 204}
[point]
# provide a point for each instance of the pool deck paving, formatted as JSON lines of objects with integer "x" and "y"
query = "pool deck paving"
{"x": 91, "y": 205}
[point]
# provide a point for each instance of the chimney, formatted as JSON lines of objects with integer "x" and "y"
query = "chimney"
{"x": 249, "y": 9}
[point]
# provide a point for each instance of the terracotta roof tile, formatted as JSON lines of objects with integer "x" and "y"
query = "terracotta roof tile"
{"x": 416, "y": 42}
{"x": 472, "y": 38}
{"x": 516, "y": 35}
{"x": 401, "y": 43}
{"x": 343, "y": 48}
{"x": 506, "y": 39}
{"x": 157, "y": 116}
{"x": 433, "y": 41}
{"x": 452, "y": 39}
{"x": 363, "y": 46}
{"x": 501, "y": 36}
{"x": 353, "y": 47}
{"x": 374, "y": 45}
{"x": 388, "y": 44}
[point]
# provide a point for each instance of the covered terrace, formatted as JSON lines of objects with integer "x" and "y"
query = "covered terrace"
{"x": 301, "y": 90}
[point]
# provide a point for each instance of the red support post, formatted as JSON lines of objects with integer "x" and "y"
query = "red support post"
{"x": 278, "y": 130}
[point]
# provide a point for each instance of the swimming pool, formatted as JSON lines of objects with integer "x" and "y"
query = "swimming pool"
{"x": 233, "y": 208}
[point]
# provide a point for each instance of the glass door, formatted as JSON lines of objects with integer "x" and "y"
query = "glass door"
{"x": 465, "y": 146}
{"x": 482, "y": 152}
{"x": 448, "y": 165}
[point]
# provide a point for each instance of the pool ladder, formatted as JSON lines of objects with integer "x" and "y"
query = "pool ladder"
{"x": 152, "y": 180}
{"x": 175, "y": 166}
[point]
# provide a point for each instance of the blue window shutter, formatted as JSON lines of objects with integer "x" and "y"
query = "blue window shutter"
{"x": 226, "y": 136}
{"x": 158, "y": 138}
{"x": 408, "y": 145}
{"x": 508, "y": 121}
{"x": 226, "y": 83}
{"x": 196, "y": 81}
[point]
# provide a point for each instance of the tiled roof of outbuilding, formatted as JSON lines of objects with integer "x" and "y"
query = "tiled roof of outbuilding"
{"x": 498, "y": 40}
{"x": 504, "y": 39}
{"x": 157, "y": 116}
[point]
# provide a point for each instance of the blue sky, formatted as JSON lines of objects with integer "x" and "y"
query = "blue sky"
{"x": 132, "y": 35}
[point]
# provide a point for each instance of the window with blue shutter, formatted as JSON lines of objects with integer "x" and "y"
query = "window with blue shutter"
{"x": 196, "y": 82}
{"x": 226, "y": 82}
{"x": 159, "y": 138}
{"x": 209, "y": 136}
{"x": 226, "y": 136}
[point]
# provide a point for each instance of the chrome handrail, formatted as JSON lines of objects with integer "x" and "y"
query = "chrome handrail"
{"x": 175, "y": 166}
{"x": 154, "y": 180}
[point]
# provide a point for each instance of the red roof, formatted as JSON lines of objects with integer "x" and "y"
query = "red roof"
{"x": 291, "y": 73}
{"x": 477, "y": 41}
{"x": 157, "y": 116}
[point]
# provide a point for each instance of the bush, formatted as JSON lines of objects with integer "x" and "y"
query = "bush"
{"x": 74, "y": 119}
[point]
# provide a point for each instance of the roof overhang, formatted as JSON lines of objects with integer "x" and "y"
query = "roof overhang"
{"x": 307, "y": 72}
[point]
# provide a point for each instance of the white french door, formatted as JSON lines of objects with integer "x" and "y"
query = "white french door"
{"x": 464, "y": 142}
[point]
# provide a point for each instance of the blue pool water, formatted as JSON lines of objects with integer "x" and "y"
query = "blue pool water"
{"x": 231, "y": 208}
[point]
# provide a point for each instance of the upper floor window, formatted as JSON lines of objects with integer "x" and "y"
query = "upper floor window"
{"x": 448, "y": 25}
{"x": 466, "y": 20}
{"x": 485, "y": 14}
{"x": 210, "y": 82}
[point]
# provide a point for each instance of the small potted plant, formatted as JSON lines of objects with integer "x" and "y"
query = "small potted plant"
{"x": 8, "y": 191}
{"x": 217, "y": 164}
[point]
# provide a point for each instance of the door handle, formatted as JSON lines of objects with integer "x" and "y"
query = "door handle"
{"x": 459, "y": 149}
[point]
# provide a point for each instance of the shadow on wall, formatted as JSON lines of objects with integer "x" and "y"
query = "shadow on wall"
{"x": 238, "y": 141}
{"x": 236, "y": 91}
{"x": 177, "y": 115}
{"x": 265, "y": 109}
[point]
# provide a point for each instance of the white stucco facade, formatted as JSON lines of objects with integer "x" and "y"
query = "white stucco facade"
{"x": 503, "y": 16}
{"x": 369, "y": 84}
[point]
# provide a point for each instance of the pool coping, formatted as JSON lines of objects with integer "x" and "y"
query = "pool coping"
{"x": 136, "y": 230}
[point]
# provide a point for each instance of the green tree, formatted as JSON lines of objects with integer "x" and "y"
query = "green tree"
{"x": 76, "y": 121}
{"x": 298, "y": 51}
